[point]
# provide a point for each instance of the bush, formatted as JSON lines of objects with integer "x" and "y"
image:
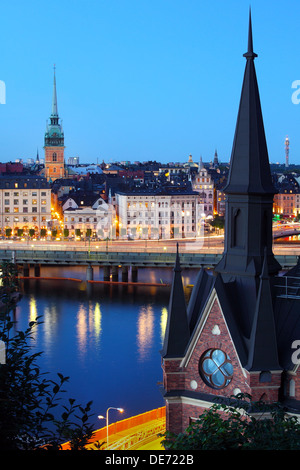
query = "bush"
{"x": 239, "y": 424}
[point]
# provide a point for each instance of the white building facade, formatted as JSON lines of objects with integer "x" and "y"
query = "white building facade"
{"x": 204, "y": 185}
{"x": 96, "y": 221}
{"x": 159, "y": 215}
{"x": 25, "y": 205}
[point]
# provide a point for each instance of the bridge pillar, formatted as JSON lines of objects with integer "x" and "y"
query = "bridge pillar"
{"x": 26, "y": 269}
{"x": 106, "y": 273}
{"x": 124, "y": 273}
{"x": 134, "y": 273}
{"x": 115, "y": 273}
{"x": 89, "y": 273}
{"x": 37, "y": 270}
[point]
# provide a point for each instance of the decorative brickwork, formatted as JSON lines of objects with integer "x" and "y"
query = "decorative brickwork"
{"x": 182, "y": 375}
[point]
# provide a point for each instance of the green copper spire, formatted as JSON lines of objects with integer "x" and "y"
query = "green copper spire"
{"x": 54, "y": 135}
{"x": 54, "y": 97}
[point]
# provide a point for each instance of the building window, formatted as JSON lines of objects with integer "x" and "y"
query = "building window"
{"x": 54, "y": 157}
{"x": 216, "y": 368}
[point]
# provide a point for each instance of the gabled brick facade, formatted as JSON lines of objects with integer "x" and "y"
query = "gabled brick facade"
{"x": 187, "y": 394}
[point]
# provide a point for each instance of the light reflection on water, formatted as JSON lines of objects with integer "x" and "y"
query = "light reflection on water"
{"x": 107, "y": 339}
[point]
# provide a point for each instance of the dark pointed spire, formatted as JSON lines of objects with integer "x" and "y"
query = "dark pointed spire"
{"x": 249, "y": 190}
{"x": 263, "y": 353}
{"x": 177, "y": 330}
{"x": 249, "y": 164}
{"x": 250, "y": 54}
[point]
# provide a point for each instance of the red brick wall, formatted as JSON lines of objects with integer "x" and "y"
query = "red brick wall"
{"x": 182, "y": 378}
{"x": 54, "y": 169}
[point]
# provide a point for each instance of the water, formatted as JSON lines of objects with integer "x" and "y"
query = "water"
{"x": 105, "y": 338}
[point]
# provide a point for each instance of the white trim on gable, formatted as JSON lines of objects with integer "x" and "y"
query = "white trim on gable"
{"x": 199, "y": 329}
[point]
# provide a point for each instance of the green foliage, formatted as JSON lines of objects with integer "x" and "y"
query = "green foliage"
{"x": 217, "y": 222}
{"x": 239, "y": 424}
{"x": 28, "y": 399}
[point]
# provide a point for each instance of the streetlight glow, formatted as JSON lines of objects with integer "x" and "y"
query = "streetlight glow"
{"x": 121, "y": 410}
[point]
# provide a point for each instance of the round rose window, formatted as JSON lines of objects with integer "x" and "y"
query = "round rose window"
{"x": 215, "y": 368}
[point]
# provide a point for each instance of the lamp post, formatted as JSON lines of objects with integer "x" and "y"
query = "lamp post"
{"x": 102, "y": 417}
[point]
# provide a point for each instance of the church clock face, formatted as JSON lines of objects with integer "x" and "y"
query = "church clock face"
{"x": 215, "y": 368}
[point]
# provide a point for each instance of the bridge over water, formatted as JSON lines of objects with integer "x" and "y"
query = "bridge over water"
{"x": 111, "y": 261}
{"x": 285, "y": 233}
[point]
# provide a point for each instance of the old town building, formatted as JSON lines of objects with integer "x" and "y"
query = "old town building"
{"x": 25, "y": 205}
{"x": 159, "y": 213}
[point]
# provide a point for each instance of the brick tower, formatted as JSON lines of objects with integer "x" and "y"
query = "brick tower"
{"x": 238, "y": 331}
{"x": 54, "y": 143}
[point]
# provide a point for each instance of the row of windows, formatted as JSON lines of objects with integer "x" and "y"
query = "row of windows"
{"x": 25, "y": 209}
{"x": 24, "y": 219}
{"x": 24, "y": 193}
{"x": 175, "y": 205}
{"x": 25, "y": 202}
{"x": 81, "y": 219}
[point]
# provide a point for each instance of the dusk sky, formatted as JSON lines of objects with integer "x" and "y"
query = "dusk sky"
{"x": 145, "y": 80}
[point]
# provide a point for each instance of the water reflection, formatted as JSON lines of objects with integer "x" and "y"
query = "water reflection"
{"x": 145, "y": 331}
{"x": 163, "y": 323}
{"x": 88, "y": 327}
{"x": 32, "y": 309}
{"x": 106, "y": 339}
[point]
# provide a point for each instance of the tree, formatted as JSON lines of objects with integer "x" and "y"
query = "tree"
{"x": 28, "y": 398}
{"x": 218, "y": 222}
{"x": 239, "y": 424}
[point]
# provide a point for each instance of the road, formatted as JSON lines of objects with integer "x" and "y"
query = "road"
{"x": 208, "y": 244}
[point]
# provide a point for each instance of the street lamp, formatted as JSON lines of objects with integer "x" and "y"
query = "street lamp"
{"x": 102, "y": 417}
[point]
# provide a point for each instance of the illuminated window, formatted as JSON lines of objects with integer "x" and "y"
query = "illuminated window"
{"x": 216, "y": 368}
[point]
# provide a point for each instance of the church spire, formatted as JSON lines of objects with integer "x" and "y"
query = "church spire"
{"x": 54, "y": 97}
{"x": 177, "y": 330}
{"x": 249, "y": 165}
{"x": 249, "y": 191}
{"x": 263, "y": 353}
{"x": 250, "y": 54}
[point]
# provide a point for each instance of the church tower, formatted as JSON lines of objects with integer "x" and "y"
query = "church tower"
{"x": 249, "y": 191}
{"x": 241, "y": 323}
{"x": 54, "y": 143}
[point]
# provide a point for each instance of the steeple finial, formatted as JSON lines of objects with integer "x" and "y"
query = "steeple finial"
{"x": 177, "y": 332}
{"x": 54, "y": 97}
{"x": 250, "y": 54}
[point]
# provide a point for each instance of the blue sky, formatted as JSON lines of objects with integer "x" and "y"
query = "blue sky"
{"x": 145, "y": 80}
